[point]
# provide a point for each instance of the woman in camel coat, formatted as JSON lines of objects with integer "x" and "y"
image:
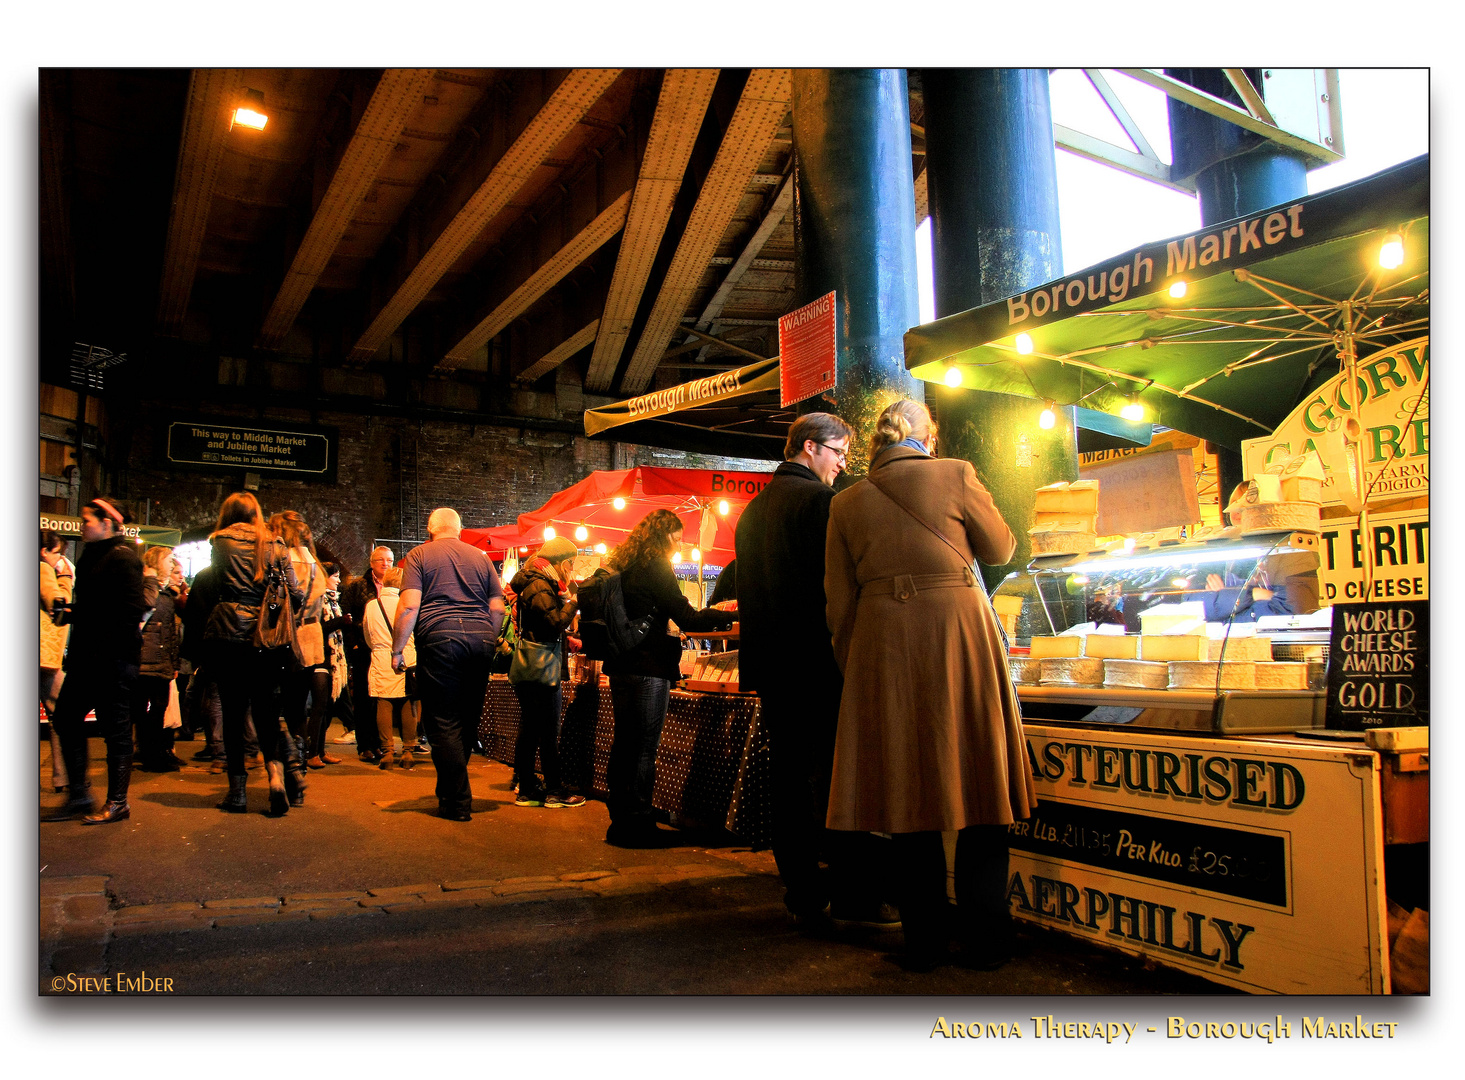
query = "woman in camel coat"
{"x": 930, "y": 737}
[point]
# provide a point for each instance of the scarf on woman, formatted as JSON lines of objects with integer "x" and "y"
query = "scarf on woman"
{"x": 910, "y": 441}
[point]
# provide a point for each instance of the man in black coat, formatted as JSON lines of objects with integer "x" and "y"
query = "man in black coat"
{"x": 101, "y": 660}
{"x": 786, "y": 656}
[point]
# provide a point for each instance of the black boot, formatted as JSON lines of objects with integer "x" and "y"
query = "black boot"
{"x": 119, "y": 772}
{"x": 295, "y": 784}
{"x": 279, "y": 800}
{"x": 236, "y": 802}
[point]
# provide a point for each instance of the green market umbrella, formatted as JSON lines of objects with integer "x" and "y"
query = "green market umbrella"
{"x": 1272, "y": 304}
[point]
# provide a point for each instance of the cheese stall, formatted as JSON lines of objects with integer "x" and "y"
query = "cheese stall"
{"x": 1226, "y": 714}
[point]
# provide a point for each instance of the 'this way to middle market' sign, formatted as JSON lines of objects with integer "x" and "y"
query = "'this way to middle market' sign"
{"x": 299, "y": 452}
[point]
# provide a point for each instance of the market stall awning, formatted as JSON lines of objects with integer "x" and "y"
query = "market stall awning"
{"x": 735, "y": 413}
{"x": 1219, "y": 333}
{"x": 609, "y": 503}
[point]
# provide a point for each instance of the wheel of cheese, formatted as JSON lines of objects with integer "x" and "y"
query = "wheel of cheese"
{"x": 1256, "y": 648}
{"x": 1063, "y": 543}
{"x": 1201, "y": 675}
{"x": 1277, "y": 517}
{"x": 1024, "y": 670}
{"x": 1136, "y": 674}
{"x": 1071, "y": 671}
{"x": 1281, "y": 676}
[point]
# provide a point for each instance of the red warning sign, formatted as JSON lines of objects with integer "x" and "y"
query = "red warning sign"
{"x": 806, "y": 351}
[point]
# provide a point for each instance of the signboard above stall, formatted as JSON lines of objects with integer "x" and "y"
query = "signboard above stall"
{"x": 219, "y": 445}
{"x": 65, "y": 525}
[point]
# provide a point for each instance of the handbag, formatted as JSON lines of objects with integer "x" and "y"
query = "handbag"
{"x": 532, "y": 661}
{"x": 173, "y": 714}
{"x": 410, "y": 671}
{"x": 310, "y": 641}
{"x": 275, "y": 627}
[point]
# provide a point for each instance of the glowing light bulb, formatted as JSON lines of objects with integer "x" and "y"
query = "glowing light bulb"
{"x": 1023, "y": 343}
{"x": 1391, "y": 254}
{"x": 1080, "y": 579}
{"x": 1177, "y": 290}
{"x": 619, "y": 503}
{"x": 676, "y": 557}
{"x": 581, "y": 533}
{"x": 1046, "y": 419}
{"x": 549, "y": 532}
{"x": 1133, "y": 411}
{"x": 696, "y": 554}
{"x": 523, "y": 551}
{"x": 953, "y": 376}
{"x": 600, "y": 548}
{"x": 250, "y": 112}
{"x": 723, "y": 507}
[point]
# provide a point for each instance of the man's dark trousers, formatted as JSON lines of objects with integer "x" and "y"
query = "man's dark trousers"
{"x": 362, "y": 704}
{"x": 453, "y": 658}
{"x": 106, "y": 687}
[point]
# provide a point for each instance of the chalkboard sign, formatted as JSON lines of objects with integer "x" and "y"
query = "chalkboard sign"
{"x": 1378, "y": 665}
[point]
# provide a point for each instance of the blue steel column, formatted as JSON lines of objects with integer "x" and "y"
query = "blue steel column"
{"x": 992, "y": 184}
{"x": 854, "y": 229}
{"x": 1237, "y": 172}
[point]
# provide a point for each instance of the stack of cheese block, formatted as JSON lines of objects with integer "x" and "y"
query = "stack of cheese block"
{"x": 1289, "y": 500}
{"x": 1061, "y": 662}
{"x": 1067, "y": 517}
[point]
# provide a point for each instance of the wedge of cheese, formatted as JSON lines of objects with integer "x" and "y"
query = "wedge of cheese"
{"x": 1281, "y": 676}
{"x": 1170, "y": 647}
{"x": 1111, "y": 646}
{"x": 1173, "y": 618}
{"x": 1044, "y": 647}
{"x": 1256, "y": 648}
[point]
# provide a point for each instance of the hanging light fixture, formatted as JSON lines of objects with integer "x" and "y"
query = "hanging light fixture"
{"x": 600, "y": 548}
{"x": 1391, "y": 252}
{"x": 549, "y": 533}
{"x": 581, "y": 533}
{"x": 1133, "y": 411}
{"x": 1046, "y": 419}
{"x": 250, "y": 112}
{"x": 619, "y": 503}
{"x": 723, "y": 507}
{"x": 953, "y": 376}
{"x": 1023, "y": 343}
{"x": 1178, "y": 288}
{"x": 696, "y": 554}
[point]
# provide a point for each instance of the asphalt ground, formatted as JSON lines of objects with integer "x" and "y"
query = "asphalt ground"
{"x": 364, "y": 890}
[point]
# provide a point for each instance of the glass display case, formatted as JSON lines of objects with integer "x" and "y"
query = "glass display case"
{"x": 1240, "y": 592}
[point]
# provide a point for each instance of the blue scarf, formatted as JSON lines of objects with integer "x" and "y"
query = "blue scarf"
{"x": 910, "y": 441}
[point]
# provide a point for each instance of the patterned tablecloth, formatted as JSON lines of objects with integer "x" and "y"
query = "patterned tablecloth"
{"x": 711, "y": 767}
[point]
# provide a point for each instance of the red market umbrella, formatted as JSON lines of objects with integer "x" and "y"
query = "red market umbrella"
{"x": 608, "y": 504}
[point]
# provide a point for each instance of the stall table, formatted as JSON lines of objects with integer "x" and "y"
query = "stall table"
{"x": 711, "y": 766}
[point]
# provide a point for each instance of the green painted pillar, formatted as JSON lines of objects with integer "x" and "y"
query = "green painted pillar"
{"x": 854, "y": 229}
{"x": 992, "y": 184}
{"x": 1237, "y": 172}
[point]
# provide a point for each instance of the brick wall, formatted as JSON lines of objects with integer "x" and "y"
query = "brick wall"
{"x": 488, "y": 474}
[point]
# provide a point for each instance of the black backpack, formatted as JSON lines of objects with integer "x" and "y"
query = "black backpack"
{"x": 605, "y": 629}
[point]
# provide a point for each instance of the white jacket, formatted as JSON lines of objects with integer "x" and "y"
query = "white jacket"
{"x": 381, "y": 680}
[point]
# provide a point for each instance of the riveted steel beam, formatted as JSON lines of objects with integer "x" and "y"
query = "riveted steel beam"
{"x": 397, "y": 98}
{"x": 211, "y": 94}
{"x": 571, "y": 100}
{"x": 559, "y": 354}
{"x": 685, "y": 94}
{"x": 757, "y": 118}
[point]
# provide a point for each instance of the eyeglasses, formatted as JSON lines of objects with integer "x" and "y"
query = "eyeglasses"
{"x": 842, "y": 455}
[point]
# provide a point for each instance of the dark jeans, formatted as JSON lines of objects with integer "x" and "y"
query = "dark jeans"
{"x": 800, "y": 722}
{"x": 363, "y": 706}
{"x": 311, "y": 684}
{"x": 249, "y": 682}
{"x": 149, "y": 703}
{"x": 452, "y": 680}
{"x": 107, "y": 688}
{"x": 639, "y": 704}
{"x": 983, "y": 923}
{"x": 208, "y": 711}
{"x": 539, "y": 730}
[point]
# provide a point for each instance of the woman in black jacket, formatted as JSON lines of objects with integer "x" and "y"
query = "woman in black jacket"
{"x": 641, "y": 680}
{"x": 158, "y": 667}
{"x": 248, "y": 677}
{"x": 542, "y": 614}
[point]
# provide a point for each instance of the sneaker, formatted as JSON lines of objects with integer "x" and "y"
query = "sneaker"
{"x": 529, "y": 800}
{"x": 347, "y": 739}
{"x": 559, "y": 802}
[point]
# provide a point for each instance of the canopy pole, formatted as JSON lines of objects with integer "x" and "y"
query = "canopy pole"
{"x": 993, "y": 187}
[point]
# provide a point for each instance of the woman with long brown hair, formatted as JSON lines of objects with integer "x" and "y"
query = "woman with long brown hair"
{"x": 249, "y": 677}
{"x": 641, "y": 680}
{"x": 313, "y": 679}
